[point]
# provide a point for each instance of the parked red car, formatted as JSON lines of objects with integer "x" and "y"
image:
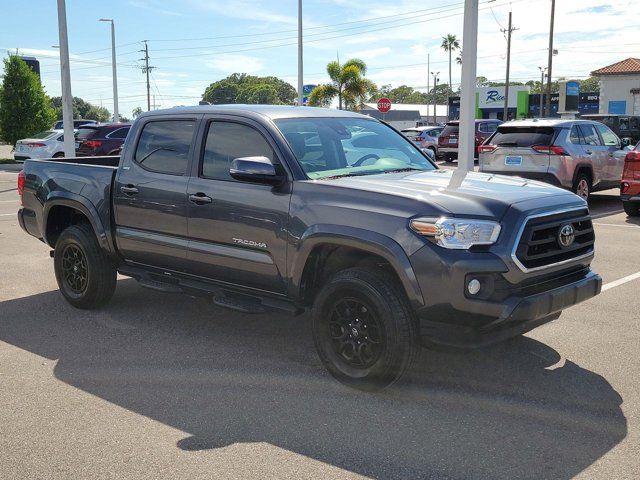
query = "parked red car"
{"x": 97, "y": 140}
{"x": 630, "y": 186}
{"x": 448, "y": 139}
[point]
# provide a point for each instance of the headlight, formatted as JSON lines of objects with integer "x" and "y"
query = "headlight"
{"x": 457, "y": 233}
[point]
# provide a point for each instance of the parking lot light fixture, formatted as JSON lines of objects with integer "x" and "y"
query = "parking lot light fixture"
{"x": 116, "y": 116}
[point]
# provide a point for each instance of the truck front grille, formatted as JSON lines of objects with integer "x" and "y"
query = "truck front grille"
{"x": 554, "y": 239}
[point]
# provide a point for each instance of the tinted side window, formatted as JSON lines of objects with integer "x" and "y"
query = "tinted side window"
{"x": 450, "y": 130}
{"x": 119, "y": 133}
{"x": 575, "y": 137}
{"x": 227, "y": 141}
{"x": 164, "y": 146}
{"x": 608, "y": 137}
{"x": 589, "y": 134}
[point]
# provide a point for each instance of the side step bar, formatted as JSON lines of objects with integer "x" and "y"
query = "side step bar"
{"x": 222, "y": 295}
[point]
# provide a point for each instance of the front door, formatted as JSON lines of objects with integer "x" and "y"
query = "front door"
{"x": 150, "y": 195}
{"x": 237, "y": 230}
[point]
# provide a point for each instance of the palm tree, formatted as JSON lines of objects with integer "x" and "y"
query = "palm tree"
{"x": 459, "y": 58}
{"x": 450, "y": 43}
{"x": 347, "y": 83}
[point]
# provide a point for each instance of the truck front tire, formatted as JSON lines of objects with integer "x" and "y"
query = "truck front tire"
{"x": 85, "y": 274}
{"x": 364, "y": 329}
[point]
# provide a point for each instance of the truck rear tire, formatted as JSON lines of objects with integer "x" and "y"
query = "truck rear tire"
{"x": 631, "y": 209}
{"x": 364, "y": 330}
{"x": 85, "y": 274}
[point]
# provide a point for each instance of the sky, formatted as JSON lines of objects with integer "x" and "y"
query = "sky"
{"x": 193, "y": 43}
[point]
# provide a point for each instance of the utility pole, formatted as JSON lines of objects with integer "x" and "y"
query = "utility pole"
{"x": 65, "y": 74}
{"x": 466, "y": 139}
{"x": 428, "y": 70}
{"x": 505, "y": 113}
{"x": 300, "y": 82}
{"x": 116, "y": 115}
{"x": 435, "y": 99}
{"x": 146, "y": 69}
{"x": 550, "y": 62}
{"x": 542, "y": 74}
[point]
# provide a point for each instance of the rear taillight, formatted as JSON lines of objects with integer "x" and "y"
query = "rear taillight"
{"x": 486, "y": 148}
{"x": 36, "y": 145}
{"x": 631, "y": 168}
{"x": 632, "y": 157}
{"x": 21, "y": 179}
{"x": 550, "y": 149}
{"x": 92, "y": 144}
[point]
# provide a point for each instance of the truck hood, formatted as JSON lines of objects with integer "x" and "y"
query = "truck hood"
{"x": 459, "y": 193}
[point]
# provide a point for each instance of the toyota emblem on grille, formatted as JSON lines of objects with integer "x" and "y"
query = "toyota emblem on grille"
{"x": 566, "y": 235}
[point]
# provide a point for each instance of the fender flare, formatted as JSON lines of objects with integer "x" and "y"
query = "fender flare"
{"x": 84, "y": 206}
{"x": 358, "y": 238}
{"x": 582, "y": 166}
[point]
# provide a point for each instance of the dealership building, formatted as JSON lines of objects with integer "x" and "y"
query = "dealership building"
{"x": 522, "y": 104}
{"x": 620, "y": 87}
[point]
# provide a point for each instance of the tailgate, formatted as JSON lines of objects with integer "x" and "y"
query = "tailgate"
{"x": 513, "y": 160}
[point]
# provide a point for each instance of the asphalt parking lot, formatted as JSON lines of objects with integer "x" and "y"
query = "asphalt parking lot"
{"x": 162, "y": 386}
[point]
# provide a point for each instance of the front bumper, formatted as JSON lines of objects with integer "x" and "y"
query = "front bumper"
{"x": 519, "y": 314}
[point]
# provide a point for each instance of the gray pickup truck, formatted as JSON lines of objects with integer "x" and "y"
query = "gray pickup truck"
{"x": 289, "y": 208}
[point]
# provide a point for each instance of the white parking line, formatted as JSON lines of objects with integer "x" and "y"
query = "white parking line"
{"x": 615, "y": 225}
{"x": 7, "y": 214}
{"x": 621, "y": 281}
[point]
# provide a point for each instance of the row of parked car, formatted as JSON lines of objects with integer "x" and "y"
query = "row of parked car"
{"x": 91, "y": 139}
{"x": 579, "y": 155}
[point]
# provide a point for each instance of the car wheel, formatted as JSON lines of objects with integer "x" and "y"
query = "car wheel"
{"x": 58, "y": 155}
{"x": 631, "y": 209}
{"x": 85, "y": 274}
{"x": 364, "y": 330}
{"x": 582, "y": 186}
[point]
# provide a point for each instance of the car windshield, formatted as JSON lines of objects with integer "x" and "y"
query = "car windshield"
{"x": 41, "y": 135}
{"x": 411, "y": 134}
{"x": 338, "y": 147}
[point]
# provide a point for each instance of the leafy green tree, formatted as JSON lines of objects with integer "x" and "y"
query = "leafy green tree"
{"x": 347, "y": 83}
{"x": 450, "y": 44}
{"x": 25, "y": 109}
{"x": 243, "y": 88}
{"x": 591, "y": 84}
{"x": 100, "y": 114}
{"x": 440, "y": 94}
{"x": 136, "y": 111}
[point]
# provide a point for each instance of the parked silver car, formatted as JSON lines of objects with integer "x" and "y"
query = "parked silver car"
{"x": 425, "y": 138}
{"x": 580, "y": 155}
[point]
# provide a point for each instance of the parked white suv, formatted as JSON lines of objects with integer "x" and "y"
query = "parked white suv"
{"x": 580, "y": 155}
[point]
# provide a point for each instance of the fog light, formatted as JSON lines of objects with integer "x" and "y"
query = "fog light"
{"x": 473, "y": 287}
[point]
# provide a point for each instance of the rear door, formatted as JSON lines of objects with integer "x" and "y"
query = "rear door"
{"x": 595, "y": 152}
{"x": 614, "y": 161}
{"x": 237, "y": 230}
{"x": 150, "y": 193}
{"x": 519, "y": 149}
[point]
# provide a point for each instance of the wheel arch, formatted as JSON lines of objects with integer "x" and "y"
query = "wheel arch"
{"x": 349, "y": 246}
{"x": 62, "y": 211}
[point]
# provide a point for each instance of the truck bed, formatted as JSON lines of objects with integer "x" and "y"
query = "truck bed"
{"x": 85, "y": 181}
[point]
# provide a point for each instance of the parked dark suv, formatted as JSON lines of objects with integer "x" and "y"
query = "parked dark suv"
{"x": 448, "y": 139}
{"x": 95, "y": 140}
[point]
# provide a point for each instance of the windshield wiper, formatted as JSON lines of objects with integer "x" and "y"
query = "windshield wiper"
{"x": 405, "y": 169}
{"x": 359, "y": 174}
{"x": 169, "y": 149}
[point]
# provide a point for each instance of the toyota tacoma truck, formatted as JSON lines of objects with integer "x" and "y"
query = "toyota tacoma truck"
{"x": 294, "y": 209}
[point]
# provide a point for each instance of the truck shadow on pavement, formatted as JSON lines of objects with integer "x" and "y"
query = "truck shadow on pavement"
{"x": 516, "y": 410}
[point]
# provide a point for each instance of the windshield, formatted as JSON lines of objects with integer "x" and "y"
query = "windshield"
{"x": 337, "y": 147}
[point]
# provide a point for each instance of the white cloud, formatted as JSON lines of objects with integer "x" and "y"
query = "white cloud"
{"x": 231, "y": 63}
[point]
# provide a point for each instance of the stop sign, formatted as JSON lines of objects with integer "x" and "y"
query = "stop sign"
{"x": 384, "y": 105}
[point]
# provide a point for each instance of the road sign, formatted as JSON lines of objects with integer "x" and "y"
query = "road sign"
{"x": 384, "y": 105}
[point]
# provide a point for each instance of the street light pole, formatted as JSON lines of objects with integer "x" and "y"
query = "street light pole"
{"x": 466, "y": 139}
{"x": 300, "y": 81}
{"x": 65, "y": 74}
{"x": 116, "y": 116}
{"x": 542, "y": 70}
{"x": 435, "y": 100}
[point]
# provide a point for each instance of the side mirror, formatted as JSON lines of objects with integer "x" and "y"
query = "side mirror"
{"x": 257, "y": 170}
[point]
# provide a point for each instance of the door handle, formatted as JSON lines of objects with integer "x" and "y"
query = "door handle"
{"x": 129, "y": 190}
{"x": 200, "y": 198}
